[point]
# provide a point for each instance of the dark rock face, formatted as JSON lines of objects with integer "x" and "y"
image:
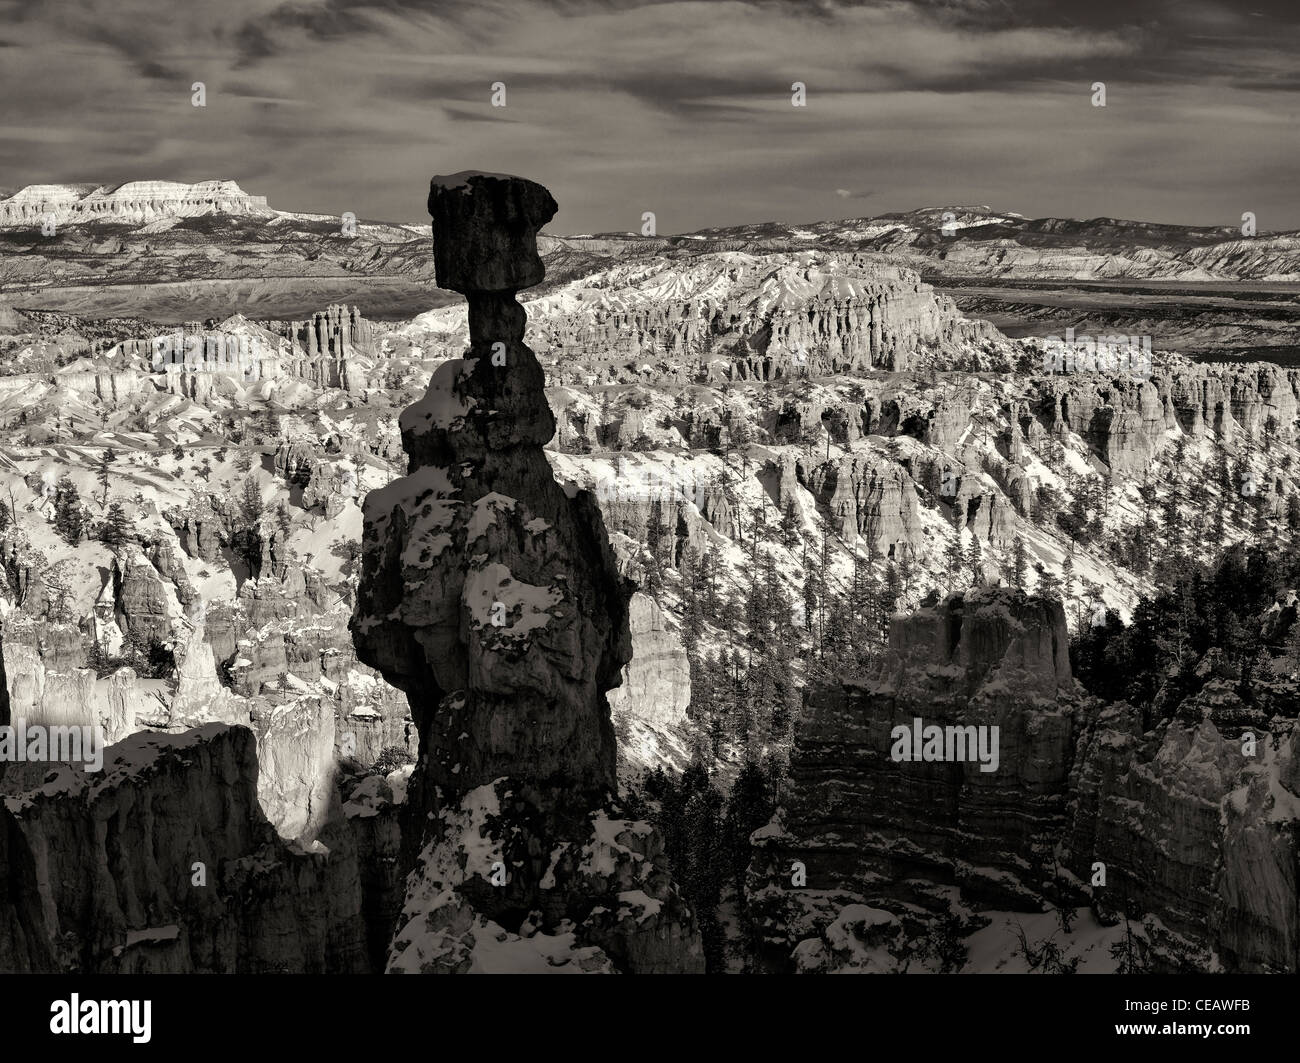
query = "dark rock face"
{"x": 491, "y": 596}
{"x": 485, "y": 232}
{"x": 23, "y": 944}
{"x": 115, "y": 855}
{"x": 1199, "y": 842}
{"x": 488, "y": 594}
{"x": 992, "y": 661}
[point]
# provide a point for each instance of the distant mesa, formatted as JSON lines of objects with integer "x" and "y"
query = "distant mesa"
{"x": 136, "y": 201}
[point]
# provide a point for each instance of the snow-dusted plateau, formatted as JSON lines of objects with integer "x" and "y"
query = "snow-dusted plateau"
{"x": 420, "y": 649}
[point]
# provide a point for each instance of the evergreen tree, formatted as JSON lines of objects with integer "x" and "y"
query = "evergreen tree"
{"x": 906, "y": 570}
{"x": 251, "y": 503}
{"x": 890, "y": 592}
{"x": 954, "y": 561}
{"x": 789, "y": 526}
{"x": 69, "y": 521}
{"x": 742, "y": 437}
{"x": 1020, "y": 563}
{"x": 117, "y": 525}
{"x": 105, "y": 460}
{"x": 1048, "y": 585}
{"x": 812, "y": 595}
{"x": 748, "y": 808}
{"x": 975, "y": 562}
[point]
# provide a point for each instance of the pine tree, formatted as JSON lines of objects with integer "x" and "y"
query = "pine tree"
{"x": 244, "y": 460}
{"x": 789, "y": 526}
{"x": 760, "y": 529}
{"x": 654, "y": 529}
{"x": 68, "y": 519}
{"x": 742, "y": 437}
{"x": 954, "y": 560}
{"x": 890, "y": 592}
{"x": 1048, "y": 585}
{"x": 748, "y": 808}
{"x": 812, "y": 594}
{"x": 106, "y": 459}
{"x": 1019, "y": 563}
{"x": 975, "y": 562}
{"x": 711, "y": 603}
{"x": 251, "y": 503}
{"x": 117, "y": 526}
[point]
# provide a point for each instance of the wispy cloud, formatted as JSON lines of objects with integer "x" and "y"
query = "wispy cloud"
{"x": 680, "y": 107}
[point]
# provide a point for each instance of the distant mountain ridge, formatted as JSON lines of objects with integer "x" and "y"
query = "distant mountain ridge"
{"x": 133, "y": 201}
{"x": 287, "y": 263}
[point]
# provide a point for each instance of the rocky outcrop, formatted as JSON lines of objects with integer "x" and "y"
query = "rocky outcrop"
{"x": 144, "y": 603}
{"x": 332, "y": 485}
{"x": 208, "y": 888}
{"x": 1194, "y": 841}
{"x": 984, "y": 660}
{"x": 490, "y": 595}
{"x": 1195, "y": 833}
{"x": 297, "y": 768}
{"x": 41, "y": 695}
{"x": 869, "y": 497}
{"x": 323, "y": 349}
{"x": 200, "y": 696}
{"x": 24, "y": 942}
{"x": 1125, "y": 421}
{"x": 656, "y": 687}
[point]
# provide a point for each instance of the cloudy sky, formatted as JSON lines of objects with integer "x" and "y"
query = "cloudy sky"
{"x": 682, "y": 108}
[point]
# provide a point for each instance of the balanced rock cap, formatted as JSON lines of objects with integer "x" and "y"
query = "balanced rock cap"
{"x": 485, "y": 231}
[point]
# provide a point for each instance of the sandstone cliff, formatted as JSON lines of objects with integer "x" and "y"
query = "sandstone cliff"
{"x": 1197, "y": 842}
{"x": 164, "y": 862}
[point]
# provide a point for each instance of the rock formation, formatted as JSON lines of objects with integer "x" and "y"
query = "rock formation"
{"x": 135, "y": 201}
{"x": 1198, "y": 842}
{"x": 491, "y": 596}
{"x": 734, "y": 316}
{"x": 656, "y": 687}
{"x": 324, "y": 346}
{"x": 24, "y": 945}
{"x": 207, "y": 887}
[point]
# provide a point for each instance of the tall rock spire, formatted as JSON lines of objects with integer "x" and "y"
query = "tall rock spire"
{"x": 490, "y": 595}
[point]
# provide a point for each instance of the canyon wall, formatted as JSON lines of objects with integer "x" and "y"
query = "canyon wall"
{"x": 164, "y": 862}
{"x": 1198, "y": 843}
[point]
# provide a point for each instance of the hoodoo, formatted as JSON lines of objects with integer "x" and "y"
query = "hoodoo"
{"x": 490, "y": 595}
